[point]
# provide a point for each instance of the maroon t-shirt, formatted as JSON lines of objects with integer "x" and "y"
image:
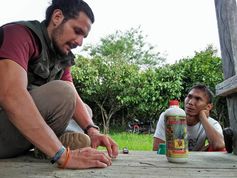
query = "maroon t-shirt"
{"x": 17, "y": 43}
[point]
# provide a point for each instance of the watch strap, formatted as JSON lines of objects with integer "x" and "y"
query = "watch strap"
{"x": 91, "y": 126}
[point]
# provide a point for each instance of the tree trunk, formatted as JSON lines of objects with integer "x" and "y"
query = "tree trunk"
{"x": 226, "y": 13}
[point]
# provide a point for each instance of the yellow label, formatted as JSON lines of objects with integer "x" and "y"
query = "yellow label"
{"x": 179, "y": 144}
{"x": 176, "y": 136}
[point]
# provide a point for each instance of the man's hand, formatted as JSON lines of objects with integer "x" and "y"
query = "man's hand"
{"x": 204, "y": 114}
{"x": 98, "y": 139}
{"x": 86, "y": 158}
{"x": 83, "y": 118}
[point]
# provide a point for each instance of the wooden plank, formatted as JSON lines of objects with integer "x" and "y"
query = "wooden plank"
{"x": 229, "y": 86}
{"x": 227, "y": 23}
{"x": 135, "y": 164}
{"x": 226, "y": 13}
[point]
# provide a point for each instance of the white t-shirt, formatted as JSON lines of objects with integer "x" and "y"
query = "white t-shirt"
{"x": 196, "y": 133}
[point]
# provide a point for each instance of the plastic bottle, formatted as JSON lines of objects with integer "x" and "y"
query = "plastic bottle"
{"x": 176, "y": 133}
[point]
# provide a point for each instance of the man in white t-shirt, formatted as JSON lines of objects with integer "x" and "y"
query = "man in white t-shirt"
{"x": 201, "y": 127}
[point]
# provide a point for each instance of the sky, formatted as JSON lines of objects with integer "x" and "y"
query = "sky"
{"x": 177, "y": 28}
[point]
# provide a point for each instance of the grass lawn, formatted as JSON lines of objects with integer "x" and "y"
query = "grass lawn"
{"x": 139, "y": 142}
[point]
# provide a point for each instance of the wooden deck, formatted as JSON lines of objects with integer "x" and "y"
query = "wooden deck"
{"x": 135, "y": 164}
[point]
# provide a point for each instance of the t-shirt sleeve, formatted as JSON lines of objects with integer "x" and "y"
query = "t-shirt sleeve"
{"x": 216, "y": 125}
{"x": 67, "y": 76}
{"x": 160, "y": 128}
{"x": 18, "y": 44}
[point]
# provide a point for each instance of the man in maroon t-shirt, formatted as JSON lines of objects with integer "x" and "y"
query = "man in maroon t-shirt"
{"x": 38, "y": 116}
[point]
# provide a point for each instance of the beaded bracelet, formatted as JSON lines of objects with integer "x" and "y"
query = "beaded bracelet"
{"x": 58, "y": 155}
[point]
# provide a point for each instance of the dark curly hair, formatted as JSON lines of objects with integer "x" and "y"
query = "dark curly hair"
{"x": 70, "y": 9}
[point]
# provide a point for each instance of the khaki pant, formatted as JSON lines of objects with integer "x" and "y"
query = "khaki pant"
{"x": 56, "y": 102}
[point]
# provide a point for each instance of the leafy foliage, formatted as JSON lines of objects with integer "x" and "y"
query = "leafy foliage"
{"x": 124, "y": 79}
{"x": 129, "y": 46}
{"x": 205, "y": 67}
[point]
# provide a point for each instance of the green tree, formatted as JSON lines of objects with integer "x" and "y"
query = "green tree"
{"x": 112, "y": 70}
{"x": 153, "y": 88}
{"x": 204, "y": 67}
{"x": 103, "y": 82}
{"x": 129, "y": 46}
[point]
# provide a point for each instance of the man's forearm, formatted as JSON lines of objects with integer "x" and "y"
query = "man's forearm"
{"x": 81, "y": 114}
{"x": 215, "y": 139}
{"x": 83, "y": 118}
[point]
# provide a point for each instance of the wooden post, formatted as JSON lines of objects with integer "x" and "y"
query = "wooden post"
{"x": 226, "y": 13}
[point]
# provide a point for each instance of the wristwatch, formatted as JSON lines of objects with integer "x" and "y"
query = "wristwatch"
{"x": 91, "y": 126}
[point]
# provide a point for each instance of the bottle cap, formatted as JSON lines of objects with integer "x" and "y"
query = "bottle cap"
{"x": 173, "y": 102}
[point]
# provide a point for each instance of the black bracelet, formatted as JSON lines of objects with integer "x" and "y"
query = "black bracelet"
{"x": 58, "y": 155}
{"x": 91, "y": 126}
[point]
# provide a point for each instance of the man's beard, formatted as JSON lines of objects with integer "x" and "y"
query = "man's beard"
{"x": 55, "y": 37}
{"x": 57, "y": 49}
